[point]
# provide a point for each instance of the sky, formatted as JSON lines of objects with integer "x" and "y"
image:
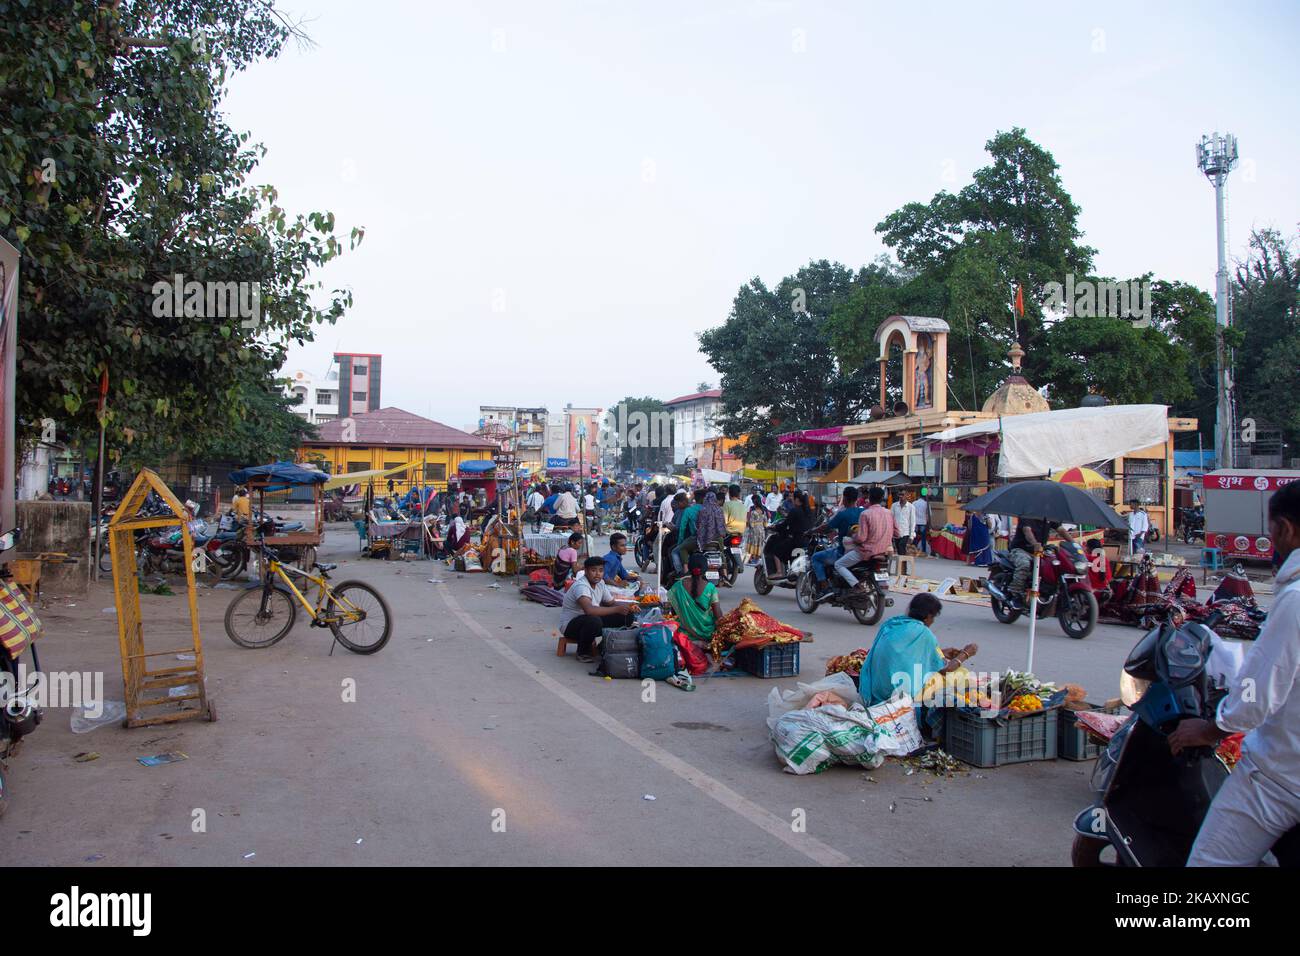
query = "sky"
{"x": 558, "y": 196}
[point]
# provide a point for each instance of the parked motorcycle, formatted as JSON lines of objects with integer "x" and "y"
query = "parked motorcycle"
{"x": 867, "y": 606}
{"x": 19, "y": 715}
{"x": 1064, "y": 589}
{"x": 1191, "y": 524}
{"x": 1149, "y": 804}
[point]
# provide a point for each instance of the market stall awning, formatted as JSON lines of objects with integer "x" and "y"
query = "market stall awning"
{"x": 278, "y": 475}
{"x": 881, "y": 478}
{"x": 478, "y": 466}
{"x": 715, "y": 477}
{"x": 815, "y": 436}
{"x": 837, "y": 475}
{"x": 1042, "y": 442}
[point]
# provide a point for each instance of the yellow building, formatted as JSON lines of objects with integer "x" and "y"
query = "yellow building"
{"x": 389, "y": 437}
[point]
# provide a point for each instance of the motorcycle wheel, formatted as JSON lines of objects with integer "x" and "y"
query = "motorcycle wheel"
{"x": 761, "y": 583}
{"x": 869, "y": 610}
{"x": 105, "y": 554}
{"x": 644, "y": 556}
{"x": 1085, "y": 852}
{"x": 1078, "y": 614}
{"x": 805, "y": 593}
{"x": 1004, "y": 612}
{"x": 730, "y": 570}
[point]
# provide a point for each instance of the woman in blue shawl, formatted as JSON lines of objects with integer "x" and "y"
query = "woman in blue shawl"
{"x": 978, "y": 543}
{"x": 906, "y": 654}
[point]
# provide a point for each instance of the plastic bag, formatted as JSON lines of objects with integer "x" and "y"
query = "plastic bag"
{"x": 779, "y": 703}
{"x": 693, "y": 658}
{"x": 800, "y": 744}
{"x": 809, "y": 741}
{"x": 112, "y": 712}
{"x": 896, "y": 718}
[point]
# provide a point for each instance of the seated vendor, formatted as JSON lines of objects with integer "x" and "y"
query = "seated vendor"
{"x": 695, "y": 601}
{"x": 566, "y": 560}
{"x": 616, "y": 575}
{"x": 906, "y": 652}
{"x": 589, "y": 607}
{"x": 458, "y": 535}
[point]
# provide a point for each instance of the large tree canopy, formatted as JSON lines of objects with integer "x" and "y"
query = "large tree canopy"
{"x": 1266, "y": 318}
{"x": 118, "y": 172}
{"x": 961, "y": 257}
{"x": 779, "y": 369}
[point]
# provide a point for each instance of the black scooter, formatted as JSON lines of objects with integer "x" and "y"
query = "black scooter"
{"x": 1150, "y": 804}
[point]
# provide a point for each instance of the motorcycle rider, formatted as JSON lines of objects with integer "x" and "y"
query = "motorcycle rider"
{"x": 1260, "y": 800}
{"x": 842, "y": 523}
{"x": 1030, "y": 538}
{"x": 874, "y": 536}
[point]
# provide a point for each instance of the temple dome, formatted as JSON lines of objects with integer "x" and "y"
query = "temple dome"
{"x": 1015, "y": 396}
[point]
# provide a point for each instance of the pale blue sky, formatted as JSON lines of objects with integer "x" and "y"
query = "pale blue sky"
{"x": 612, "y": 172}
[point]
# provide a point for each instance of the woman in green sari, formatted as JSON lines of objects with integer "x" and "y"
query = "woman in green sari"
{"x": 695, "y": 601}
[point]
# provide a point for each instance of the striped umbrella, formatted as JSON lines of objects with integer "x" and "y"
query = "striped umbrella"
{"x": 1084, "y": 478}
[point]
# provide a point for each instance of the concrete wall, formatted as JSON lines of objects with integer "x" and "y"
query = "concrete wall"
{"x": 56, "y": 526}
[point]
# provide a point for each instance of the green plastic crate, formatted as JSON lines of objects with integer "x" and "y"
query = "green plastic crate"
{"x": 996, "y": 741}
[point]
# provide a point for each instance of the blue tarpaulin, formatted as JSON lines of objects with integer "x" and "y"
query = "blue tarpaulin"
{"x": 477, "y": 466}
{"x": 280, "y": 474}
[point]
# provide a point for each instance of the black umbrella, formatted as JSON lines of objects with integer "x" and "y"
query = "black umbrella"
{"x": 1052, "y": 501}
{"x": 1047, "y": 499}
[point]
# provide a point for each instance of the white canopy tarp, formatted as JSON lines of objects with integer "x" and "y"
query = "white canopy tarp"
{"x": 715, "y": 477}
{"x": 1042, "y": 442}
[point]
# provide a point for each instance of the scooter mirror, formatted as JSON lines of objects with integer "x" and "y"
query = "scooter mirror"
{"x": 10, "y": 538}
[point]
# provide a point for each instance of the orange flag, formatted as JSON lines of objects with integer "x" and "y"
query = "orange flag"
{"x": 1020, "y": 301}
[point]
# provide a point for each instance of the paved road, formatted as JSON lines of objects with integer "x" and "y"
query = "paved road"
{"x": 468, "y": 720}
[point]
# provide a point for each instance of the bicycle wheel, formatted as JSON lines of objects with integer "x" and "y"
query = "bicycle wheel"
{"x": 374, "y": 625}
{"x": 249, "y": 625}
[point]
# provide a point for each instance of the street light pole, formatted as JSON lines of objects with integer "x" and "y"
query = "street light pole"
{"x": 1216, "y": 155}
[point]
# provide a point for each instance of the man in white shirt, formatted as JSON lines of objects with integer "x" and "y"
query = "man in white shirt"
{"x": 1260, "y": 801}
{"x": 904, "y": 522}
{"x": 772, "y": 502}
{"x": 921, "y": 512}
{"x": 566, "y": 508}
{"x": 666, "y": 508}
{"x": 1138, "y": 526}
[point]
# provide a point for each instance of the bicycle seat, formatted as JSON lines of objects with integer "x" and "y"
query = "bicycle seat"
{"x": 324, "y": 567}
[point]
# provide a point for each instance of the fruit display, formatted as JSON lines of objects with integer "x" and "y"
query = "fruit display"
{"x": 850, "y": 663}
{"x": 1025, "y": 704}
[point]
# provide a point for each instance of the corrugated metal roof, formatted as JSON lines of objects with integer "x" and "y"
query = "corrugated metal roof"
{"x": 396, "y": 426}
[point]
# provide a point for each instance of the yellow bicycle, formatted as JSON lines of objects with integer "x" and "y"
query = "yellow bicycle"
{"x": 263, "y": 614}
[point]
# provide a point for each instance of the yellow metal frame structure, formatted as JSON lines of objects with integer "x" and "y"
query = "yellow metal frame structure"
{"x": 145, "y": 705}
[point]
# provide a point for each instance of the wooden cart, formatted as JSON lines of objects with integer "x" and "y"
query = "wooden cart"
{"x": 300, "y": 546}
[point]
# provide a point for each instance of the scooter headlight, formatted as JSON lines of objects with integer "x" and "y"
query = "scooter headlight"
{"x": 1080, "y": 567}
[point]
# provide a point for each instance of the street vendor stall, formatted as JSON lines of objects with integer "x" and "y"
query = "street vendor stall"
{"x": 279, "y": 476}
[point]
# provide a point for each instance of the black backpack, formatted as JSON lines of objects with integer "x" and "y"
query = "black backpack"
{"x": 620, "y": 653}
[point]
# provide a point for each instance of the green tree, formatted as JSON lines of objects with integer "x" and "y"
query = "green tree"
{"x": 779, "y": 369}
{"x": 645, "y": 443}
{"x": 1266, "y": 323}
{"x": 1013, "y": 225}
{"x": 117, "y": 173}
